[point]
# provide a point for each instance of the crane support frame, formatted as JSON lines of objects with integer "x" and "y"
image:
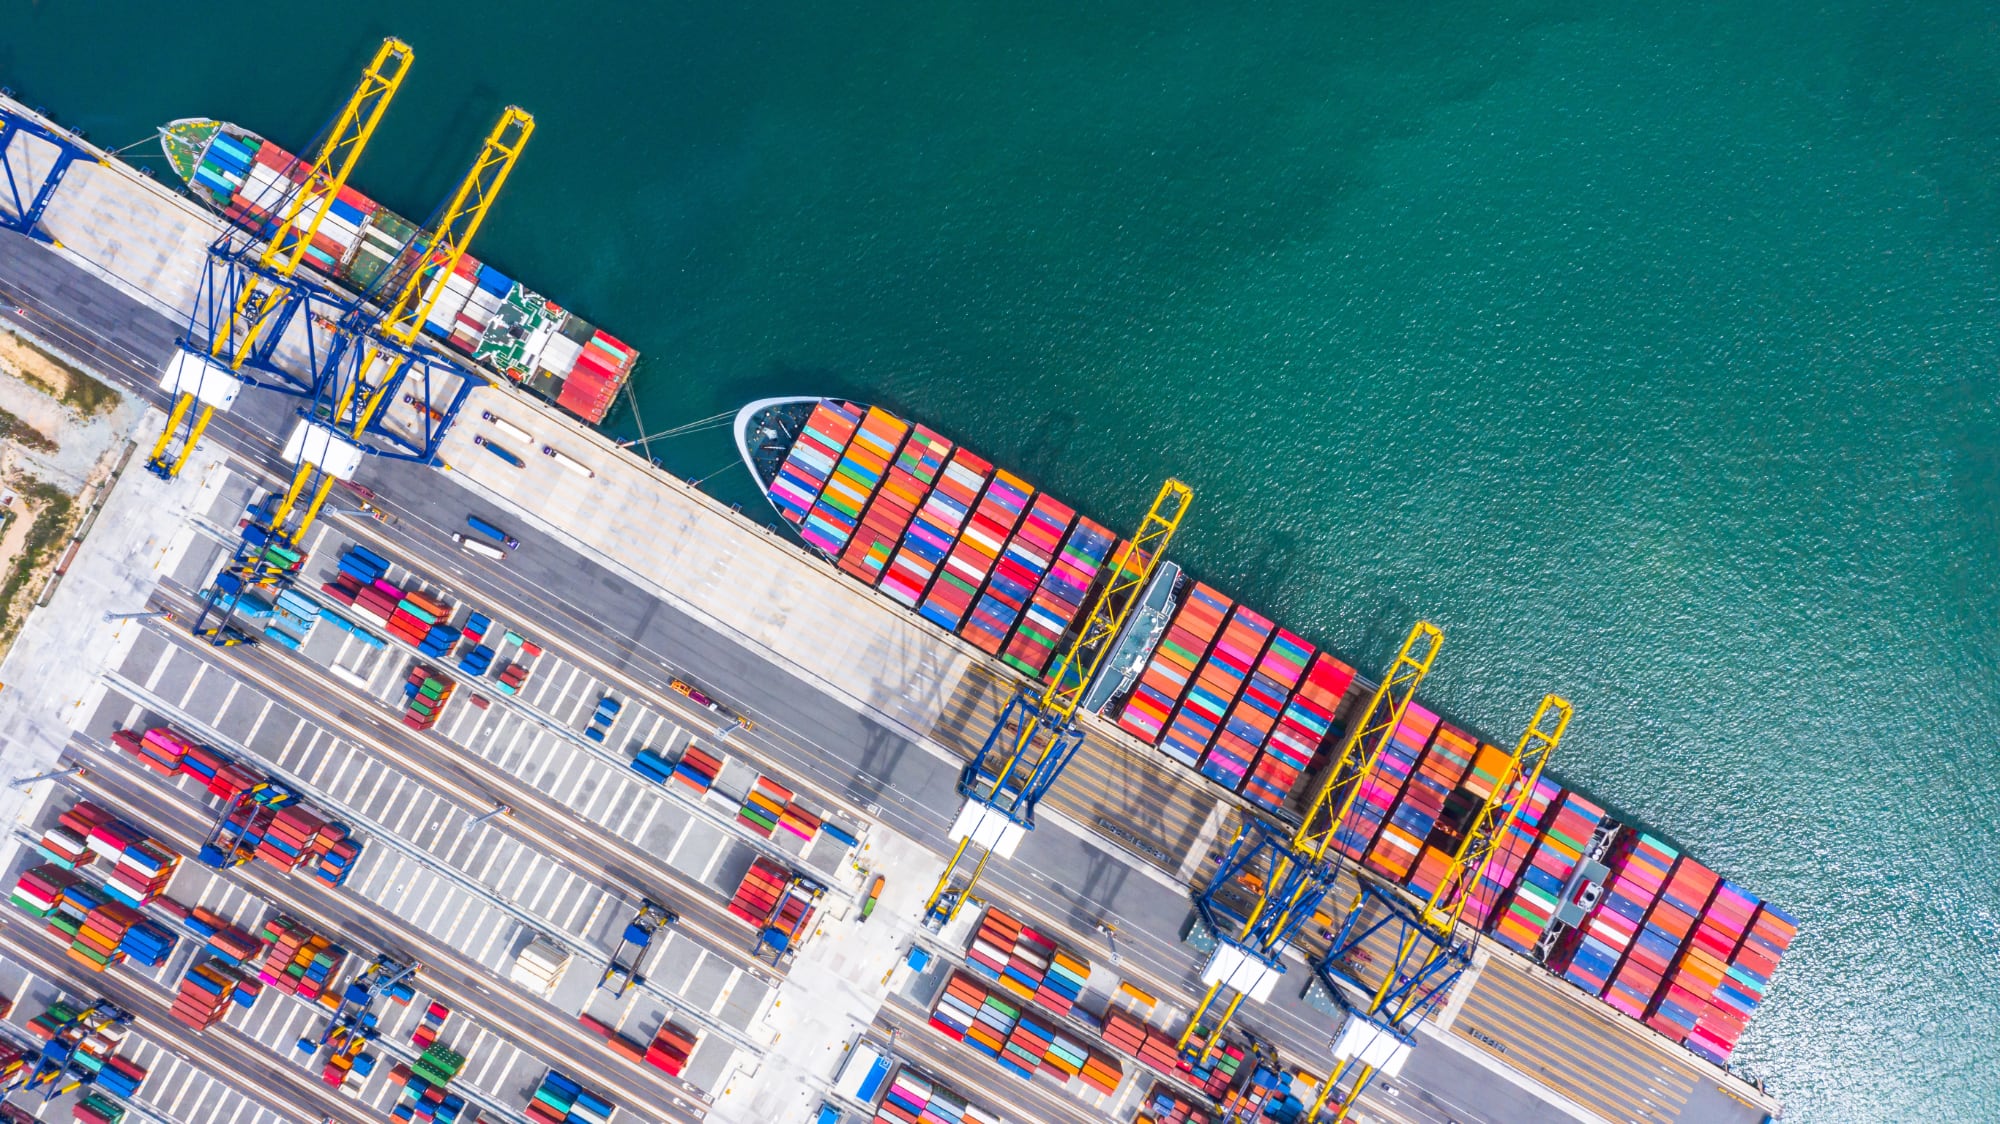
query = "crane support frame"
{"x": 1046, "y": 734}
{"x": 22, "y": 208}
{"x": 1431, "y": 954}
{"x": 1278, "y": 908}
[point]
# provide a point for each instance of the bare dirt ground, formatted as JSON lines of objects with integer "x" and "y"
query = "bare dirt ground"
{"x": 61, "y": 433}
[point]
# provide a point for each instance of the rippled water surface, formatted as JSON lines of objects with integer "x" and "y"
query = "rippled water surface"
{"x": 1648, "y": 349}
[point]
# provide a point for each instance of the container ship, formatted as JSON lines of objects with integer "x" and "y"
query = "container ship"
{"x": 1252, "y": 707}
{"x": 484, "y": 315}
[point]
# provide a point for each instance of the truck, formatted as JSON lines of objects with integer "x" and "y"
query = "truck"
{"x": 492, "y": 531}
{"x": 701, "y": 699}
{"x": 864, "y": 1075}
{"x": 622, "y": 970}
{"x": 479, "y": 546}
{"x": 504, "y": 454}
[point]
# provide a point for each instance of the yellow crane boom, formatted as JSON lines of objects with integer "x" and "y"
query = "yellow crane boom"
{"x": 264, "y": 295}
{"x": 1315, "y": 835}
{"x": 1062, "y": 689}
{"x": 444, "y": 245}
{"x": 1446, "y": 903}
{"x": 386, "y": 350}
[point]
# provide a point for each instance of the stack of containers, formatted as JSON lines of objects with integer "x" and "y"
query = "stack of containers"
{"x": 422, "y": 1100}
{"x": 562, "y": 1099}
{"x": 1021, "y": 566}
{"x": 381, "y": 243}
{"x": 422, "y": 622}
{"x": 832, "y": 520}
{"x": 95, "y": 1107}
{"x": 425, "y": 694}
{"x": 1154, "y": 1049}
{"x": 39, "y": 888}
{"x": 1215, "y": 687}
{"x": 1588, "y": 955}
{"x": 205, "y": 995}
{"x": 295, "y": 617}
{"x": 894, "y": 505}
{"x": 1066, "y": 1057}
{"x": 160, "y": 749}
{"x": 935, "y": 528}
{"x": 757, "y": 895}
{"x": 1059, "y": 599}
{"x": 812, "y": 458}
{"x": 1026, "y": 963}
{"x": 1639, "y": 877}
{"x": 601, "y": 367}
{"x": 1475, "y": 787}
{"x": 225, "y": 164}
{"x": 1742, "y": 988}
{"x": 430, "y": 1024}
{"x": 969, "y": 1012}
{"x": 763, "y": 806}
{"x": 978, "y": 548}
{"x": 1704, "y": 965}
{"x": 912, "y": 1097}
{"x": 1517, "y": 841}
{"x": 697, "y": 769}
{"x": 65, "y": 848}
{"x": 540, "y": 966}
{"x": 1164, "y": 1106}
{"x": 1305, "y": 724}
{"x": 1380, "y": 786}
{"x": 1554, "y": 858}
{"x": 670, "y": 1049}
{"x": 1173, "y": 663}
{"x": 1671, "y": 1010}
{"x": 1255, "y": 715}
{"x": 1396, "y": 849}
{"x": 139, "y": 868}
{"x": 297, "y": 960}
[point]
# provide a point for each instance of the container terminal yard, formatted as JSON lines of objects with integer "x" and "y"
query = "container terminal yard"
{"x": 391, "y": 744}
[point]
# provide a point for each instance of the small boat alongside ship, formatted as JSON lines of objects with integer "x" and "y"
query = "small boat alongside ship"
{"x": 1230, "y": 695}
{"x": 483, "y": 315}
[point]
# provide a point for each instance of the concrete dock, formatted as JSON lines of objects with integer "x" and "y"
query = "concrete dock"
{"x": 629, "y": 577}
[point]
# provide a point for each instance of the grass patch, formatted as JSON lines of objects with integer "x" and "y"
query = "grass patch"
{"x": 84, "y": 394}
{"x": 13, "y": 429}
{"x": 53, "y": 509}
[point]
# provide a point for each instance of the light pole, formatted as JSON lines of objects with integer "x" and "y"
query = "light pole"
{"x": 66, "y": 771}
{"x": 1111, "y": 935}
{"x": 143, "y": 614}
{"x": 498, "y": 810}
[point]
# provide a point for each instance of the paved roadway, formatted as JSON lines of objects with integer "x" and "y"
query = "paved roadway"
{"x": 801, "y": 731}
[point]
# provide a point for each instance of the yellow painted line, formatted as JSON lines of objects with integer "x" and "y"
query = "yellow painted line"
{"x": 1578, "y": 1052}
{"x": 1566, "y": 1075}
{"x": 1584, "y": 1057}
{"x": 1633, "y": 1051}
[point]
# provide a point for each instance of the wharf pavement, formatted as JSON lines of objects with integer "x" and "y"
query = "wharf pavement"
{"x": 773, "y": 629}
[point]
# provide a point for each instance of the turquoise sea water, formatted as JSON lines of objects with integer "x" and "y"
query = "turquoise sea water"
{"x": 1649, "y": 351}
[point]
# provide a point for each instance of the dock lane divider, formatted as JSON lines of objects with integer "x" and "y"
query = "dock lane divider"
{"x": 376, "y": 831}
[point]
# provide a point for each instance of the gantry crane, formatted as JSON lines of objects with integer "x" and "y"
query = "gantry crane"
{"x": 352, "y": 1016}
{"x": 245, "y": 303}
{"x": 1036, "y": 733}
{"x": 1430, "y": 952}
{"x": 61, "y": 1067}
{"x": 250, "y": 814}
{"x": 370, "y": 357}
{"x": 1268, "y": 886}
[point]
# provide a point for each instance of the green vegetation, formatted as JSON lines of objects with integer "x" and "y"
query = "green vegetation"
{"x": 52, "y": 517}
{"x": 12, "y": 428}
